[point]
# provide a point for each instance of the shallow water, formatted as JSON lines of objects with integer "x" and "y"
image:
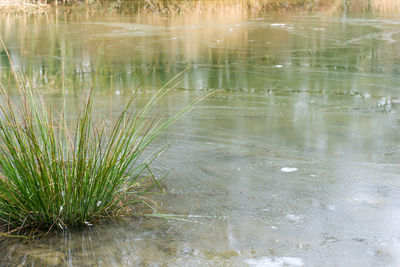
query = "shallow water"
{"x": 294, "y": 161}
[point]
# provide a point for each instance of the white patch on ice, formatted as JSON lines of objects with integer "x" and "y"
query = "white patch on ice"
{"x": 382, "y": 101}
{"x": 331, "y": 207}
{"x": 276, "y": 262}
{"x": 262, "y": 262}
{"x": 288, "y": 169}
{"x": 292, "y": 261}
{"x": 233, "y": 242}
{"x": 293, "y": 218}
{"x": 366, "y": 199}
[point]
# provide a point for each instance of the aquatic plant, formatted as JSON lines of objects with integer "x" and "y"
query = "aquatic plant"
{"x": 53, "y": 174}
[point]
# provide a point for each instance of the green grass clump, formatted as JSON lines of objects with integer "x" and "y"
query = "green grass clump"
{"x": 52, "y": 174}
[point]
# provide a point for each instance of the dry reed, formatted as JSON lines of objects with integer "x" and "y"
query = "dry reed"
{"x": 27, "y": 6}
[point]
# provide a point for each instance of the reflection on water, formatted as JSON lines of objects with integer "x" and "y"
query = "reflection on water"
{"x": 294, "y": 160}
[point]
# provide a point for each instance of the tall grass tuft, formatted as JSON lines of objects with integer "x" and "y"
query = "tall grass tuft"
{"x": 52, "y": 174}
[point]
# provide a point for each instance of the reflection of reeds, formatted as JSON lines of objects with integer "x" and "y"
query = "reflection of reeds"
{"x": 46, "y": 53}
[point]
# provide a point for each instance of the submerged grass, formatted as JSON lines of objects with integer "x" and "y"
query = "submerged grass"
{"x": 52, "y": 174}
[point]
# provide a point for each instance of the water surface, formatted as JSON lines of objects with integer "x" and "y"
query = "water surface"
{"x": 294, "y": 161}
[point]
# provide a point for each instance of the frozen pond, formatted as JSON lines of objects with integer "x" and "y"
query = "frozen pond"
{"x": 294, "y": 161}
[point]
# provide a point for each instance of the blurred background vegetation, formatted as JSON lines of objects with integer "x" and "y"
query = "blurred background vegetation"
{"x": 178, "y": 6}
